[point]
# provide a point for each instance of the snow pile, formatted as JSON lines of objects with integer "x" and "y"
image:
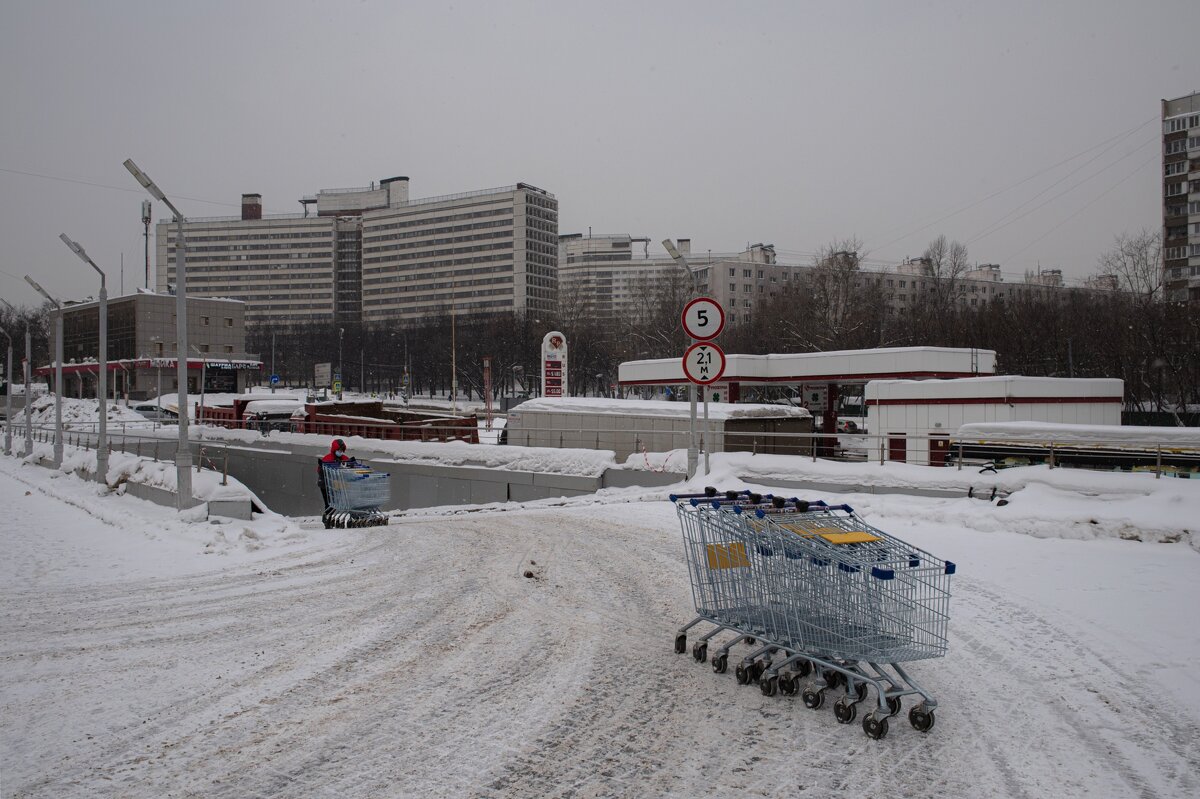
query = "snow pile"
{"x": 582, "y": 462}
{"x": 1094, "y": 434}
{"x": 188, "y": 529}
{"x": 84, "y": 413}
{"x": 678, "y": 410}
{"x": 1041, "y": 502}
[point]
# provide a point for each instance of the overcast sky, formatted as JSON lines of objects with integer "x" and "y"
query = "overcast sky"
{"x": 730, "y": 123}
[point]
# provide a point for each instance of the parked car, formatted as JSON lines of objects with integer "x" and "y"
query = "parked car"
{"x": 154, "y": 413}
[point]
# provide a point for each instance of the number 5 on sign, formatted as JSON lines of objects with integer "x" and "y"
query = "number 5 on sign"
{"x": 703, "y": 318}
{"x": 704, "y": 363}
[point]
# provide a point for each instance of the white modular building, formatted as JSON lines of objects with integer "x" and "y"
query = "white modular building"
{"x": 632, "y": 426}
{"x": 917, "y": 418}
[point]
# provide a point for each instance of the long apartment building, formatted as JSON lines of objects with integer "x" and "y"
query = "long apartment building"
{"x": 1181, "y": 197}
{"x": 373, "y": 255}
{"x": 615, "y": 275}
{"x": 606, "y": 276}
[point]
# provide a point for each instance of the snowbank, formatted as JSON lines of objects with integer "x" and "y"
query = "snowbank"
{"x": 84, "y": 413}
{"x": 1126, "y": 435}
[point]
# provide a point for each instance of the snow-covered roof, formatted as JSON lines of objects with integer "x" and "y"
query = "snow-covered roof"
{"x": 282, "y": 405}
{"x": 845, "y": 366}
{"x": 660, "y": 408}
{"x": 997, "y": 387}
{"x": 1095, "y": 434}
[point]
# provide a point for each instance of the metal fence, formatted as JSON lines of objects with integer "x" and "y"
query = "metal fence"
{"x": 935, "y": 448}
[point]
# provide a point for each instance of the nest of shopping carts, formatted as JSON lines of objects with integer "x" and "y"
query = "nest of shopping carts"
{"x": 354, "y": 494}
{"x": 823, "y": 600}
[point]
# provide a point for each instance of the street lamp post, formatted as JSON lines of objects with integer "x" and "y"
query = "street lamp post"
{"x": 183, "y": 455}
{"x": 102, "y": 380}
{"x": 28, "y": 368}
{"x": 341, "y": 376}
{"x": 203, "y": 380}
{"x": 58, "y": 359}
{"x": 693, "y": 457}
{"x": 8, "y": 397}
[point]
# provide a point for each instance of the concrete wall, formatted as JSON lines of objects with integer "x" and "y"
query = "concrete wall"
{"x": 285, "y": 478}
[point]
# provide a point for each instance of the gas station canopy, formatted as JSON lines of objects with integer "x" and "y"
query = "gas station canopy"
{"x": 845, "y": 367}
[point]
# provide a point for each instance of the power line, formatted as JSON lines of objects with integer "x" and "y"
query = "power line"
{"x": 1039, "y": 173}
{"x": 1095, "y": 199}
{"x": 1068, "y": 190}
{"x": 126, "y": 189}
{"x": 988, "y": 228}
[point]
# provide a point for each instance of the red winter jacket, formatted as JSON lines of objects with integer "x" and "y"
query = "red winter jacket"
{"x": 335, "y": 453}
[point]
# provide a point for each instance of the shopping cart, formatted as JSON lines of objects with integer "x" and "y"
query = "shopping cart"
{"x": 353, "y": 494}
{"x": 814, "y": 590}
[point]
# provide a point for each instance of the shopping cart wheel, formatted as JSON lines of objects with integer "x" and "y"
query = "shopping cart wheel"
{"x": 860, "y": 691}
{"x": 788, "y": 686}
{"x": 720, "y": 663}
{"x": 832, "y": 678}
{"x": 700, "y": 651}
{"x": 757, "y": 668}
{"x": 803, "y": 669}
{"x": 768, "y": 686}
{"x": 845, "y": 711}
{"x": 813, "y": 699}
{"x": 680, "y": 643}
{"x": 743, "y": 673}
{"x": 874, "y": 727}
{"x": 751, "y": 640}
{"x": 921, "y": 719}
{"x": 893, "y": 703}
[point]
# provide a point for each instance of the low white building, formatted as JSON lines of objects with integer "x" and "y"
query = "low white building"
{"x": 918, "y": 418}
{"x": 632, "y": 426}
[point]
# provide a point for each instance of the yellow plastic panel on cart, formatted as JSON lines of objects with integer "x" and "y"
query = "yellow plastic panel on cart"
{"x": 853, "y": 537}
{"x": 727, "y": 556}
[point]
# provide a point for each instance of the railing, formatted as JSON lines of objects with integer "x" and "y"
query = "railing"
{"x": 882, "y": 449}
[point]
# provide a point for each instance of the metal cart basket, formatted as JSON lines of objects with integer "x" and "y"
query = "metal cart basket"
{"x": 814, "y": 587}
{"x": 354, "y": 494}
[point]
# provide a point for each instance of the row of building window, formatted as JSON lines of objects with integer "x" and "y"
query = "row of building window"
{"x": 414, "y": 246}
{"x": 1189, "y": 251}
{"x": 1181, "y": 123}
{"x": 374, "y": 226}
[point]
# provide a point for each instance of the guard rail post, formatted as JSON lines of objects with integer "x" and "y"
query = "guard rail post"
{"x": 1158, "y": 461}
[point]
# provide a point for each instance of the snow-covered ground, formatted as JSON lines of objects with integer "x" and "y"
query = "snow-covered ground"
{"x": 147, "y": 657}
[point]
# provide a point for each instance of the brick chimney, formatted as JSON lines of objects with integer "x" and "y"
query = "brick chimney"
{"x": 251, "y": 206}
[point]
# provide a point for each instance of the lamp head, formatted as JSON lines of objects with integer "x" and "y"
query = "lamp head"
{"x": 42, "y": 291}
{"x": 144, "y": 179}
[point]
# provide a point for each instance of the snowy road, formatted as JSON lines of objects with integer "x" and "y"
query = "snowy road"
{"x": 419, "y": 661}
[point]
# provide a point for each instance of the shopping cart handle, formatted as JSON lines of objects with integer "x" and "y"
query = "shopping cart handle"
{"x": 709, "y": 492}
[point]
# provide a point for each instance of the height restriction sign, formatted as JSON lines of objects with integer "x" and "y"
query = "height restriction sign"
{"x": 703, "y": 318}
{"x": 704, "y": 363}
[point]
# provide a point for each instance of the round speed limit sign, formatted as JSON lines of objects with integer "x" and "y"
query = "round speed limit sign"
{"x": 703, "y": 318}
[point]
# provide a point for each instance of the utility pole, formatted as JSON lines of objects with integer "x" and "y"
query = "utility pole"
{"x": 146, "y": 235}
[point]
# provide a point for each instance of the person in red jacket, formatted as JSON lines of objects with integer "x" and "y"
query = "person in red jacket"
{"x": 337, "y": 452}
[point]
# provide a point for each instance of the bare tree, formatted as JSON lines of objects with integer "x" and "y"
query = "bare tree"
{"x": 1135, "y": 264}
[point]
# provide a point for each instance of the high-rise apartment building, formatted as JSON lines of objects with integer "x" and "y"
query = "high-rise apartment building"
{"x": 373, "y": 255}
{"x": 1181, "y": 197}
